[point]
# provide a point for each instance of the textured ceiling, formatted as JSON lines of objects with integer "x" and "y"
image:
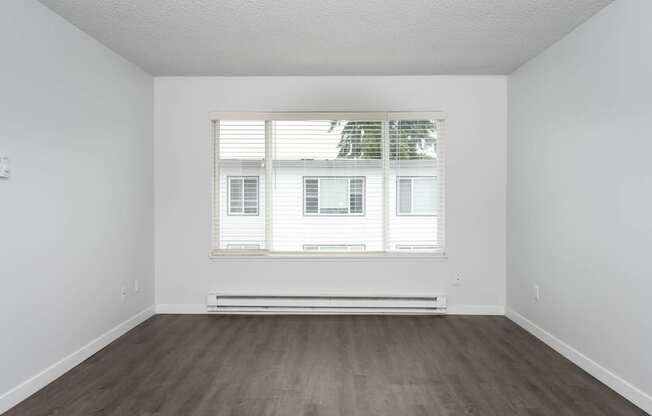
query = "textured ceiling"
{"x": 327, "y": 37}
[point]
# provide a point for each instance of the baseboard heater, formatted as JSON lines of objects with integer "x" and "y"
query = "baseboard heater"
{"x": 295, "y": 304}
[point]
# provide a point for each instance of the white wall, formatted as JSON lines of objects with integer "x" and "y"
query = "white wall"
{"x": 76, "y": 215}
{"x": 475, "y": 152}
{"x": 580, "y": 194}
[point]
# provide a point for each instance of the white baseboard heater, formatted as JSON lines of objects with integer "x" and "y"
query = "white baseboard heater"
{"x": 325, "y": 304}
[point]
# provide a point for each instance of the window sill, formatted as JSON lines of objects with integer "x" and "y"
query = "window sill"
{"x": 327, "y": 257}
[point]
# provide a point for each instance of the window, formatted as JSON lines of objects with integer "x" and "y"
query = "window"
{"x": 317, "y": 183}
{"x": 417, "y": 195}
{"x": 333, "y": 195}
{"x": 243, "y": 195}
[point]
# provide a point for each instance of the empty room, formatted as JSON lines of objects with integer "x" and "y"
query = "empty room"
{"x": 325, "y": 208}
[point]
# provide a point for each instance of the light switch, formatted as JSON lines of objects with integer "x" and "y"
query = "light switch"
{"x": 4, "y": 166}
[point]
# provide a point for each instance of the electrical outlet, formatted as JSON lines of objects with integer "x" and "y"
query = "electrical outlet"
{"x": 537, "y": 293}
{"x": 458, "y": 279}
{"x": 123, "y": 292}
{"x": 136, "y": 285}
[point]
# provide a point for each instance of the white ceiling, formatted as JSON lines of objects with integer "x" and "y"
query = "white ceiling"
{"x": 327, "y": 37}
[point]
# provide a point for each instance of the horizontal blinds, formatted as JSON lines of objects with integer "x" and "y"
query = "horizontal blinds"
{"x": 416, "y": 223}
{"x": 325, "y": 172}
{"x": 240, "y": 183}
{"x": 327, "y": 180}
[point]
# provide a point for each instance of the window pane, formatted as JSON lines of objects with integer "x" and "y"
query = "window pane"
{"x": 311, "y": 193}
{"x": 322, "y": 171}
{"x": 241, "y": 140}
{"x": 425, "y": 195}
{"x": 333, "y": 187}
{"x": 405, "y": 196}
{"x": 235, "y": 195}
{"x": 414, "y": 164}
{"x": 356, "y": 195}
{"x": 327, "y": 140}
{"x": 241, "y": 174}
{"x": 334, "y": 195}
{"x": 412, "y": 139}
{"x": 251, "y": 195}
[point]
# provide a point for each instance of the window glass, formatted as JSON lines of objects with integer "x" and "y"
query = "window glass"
{"x": 405, "y": 195}
{"x": 425, "y": 195}
{"x": 334, "y": 195}
{"x": 368, "y": 183}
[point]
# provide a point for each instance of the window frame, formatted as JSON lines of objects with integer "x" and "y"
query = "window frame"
{"x": 245, "y": 255}
{"x": 320, "y": 246}
{"x": 348, "y": 194}
{"x": 244, "y": 243}
{"x": 398, "y": 196}
{"x": 229, "y": 198}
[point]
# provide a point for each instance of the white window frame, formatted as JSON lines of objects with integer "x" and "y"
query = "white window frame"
{"x": 353, "y": 248}
{"x": 229, "y": 197}
{"x": 268, "y": 117}
{"x": 348, "y": 196}
{"x": 398, "y": 197}
{"x": 243, "y": 245}
{"x": 414, "y": 247}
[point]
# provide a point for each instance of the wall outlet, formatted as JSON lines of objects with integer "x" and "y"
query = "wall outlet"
{"x": 537, "y": 293}
{"x": 457, "y": 281}
{"x": 136, "y": 285}
{"x": 123, "y": 292}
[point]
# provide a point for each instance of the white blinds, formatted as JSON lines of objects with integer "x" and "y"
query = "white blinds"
{"x": 239, "y": 186}
{"x": 331, "y": 167}
{"x": 416, "y": 175}
{"x": 312, "y": 183}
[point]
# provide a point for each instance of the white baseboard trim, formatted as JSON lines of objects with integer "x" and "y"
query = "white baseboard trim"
{"x": 30, "y": 386}
{"x": 452, "y": 309}
{"x": 476, "y": 310}
{"x": 181, "y": 309}
{"x": 606, "y": 376}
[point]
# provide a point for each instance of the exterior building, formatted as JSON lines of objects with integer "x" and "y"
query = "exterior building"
{"x": 335, "y": 205}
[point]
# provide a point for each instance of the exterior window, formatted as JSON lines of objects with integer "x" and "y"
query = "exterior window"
{"x": 243, "y": 195}
{"x": 334, "y": 195}
{"x": 416, "y": 195}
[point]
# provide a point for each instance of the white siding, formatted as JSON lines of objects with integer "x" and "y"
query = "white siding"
{"x": 242, "y": 229}
{"x": 409, "y": 229}
{"x": 292, "y": 229}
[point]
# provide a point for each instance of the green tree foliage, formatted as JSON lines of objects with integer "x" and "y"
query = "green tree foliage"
{"x": 409, "y": 139}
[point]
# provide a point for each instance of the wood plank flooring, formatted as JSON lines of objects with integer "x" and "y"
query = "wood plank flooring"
{"x": 204, "y": 365}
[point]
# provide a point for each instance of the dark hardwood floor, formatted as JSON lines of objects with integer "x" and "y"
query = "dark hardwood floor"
{"x": 326, "y": 365}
